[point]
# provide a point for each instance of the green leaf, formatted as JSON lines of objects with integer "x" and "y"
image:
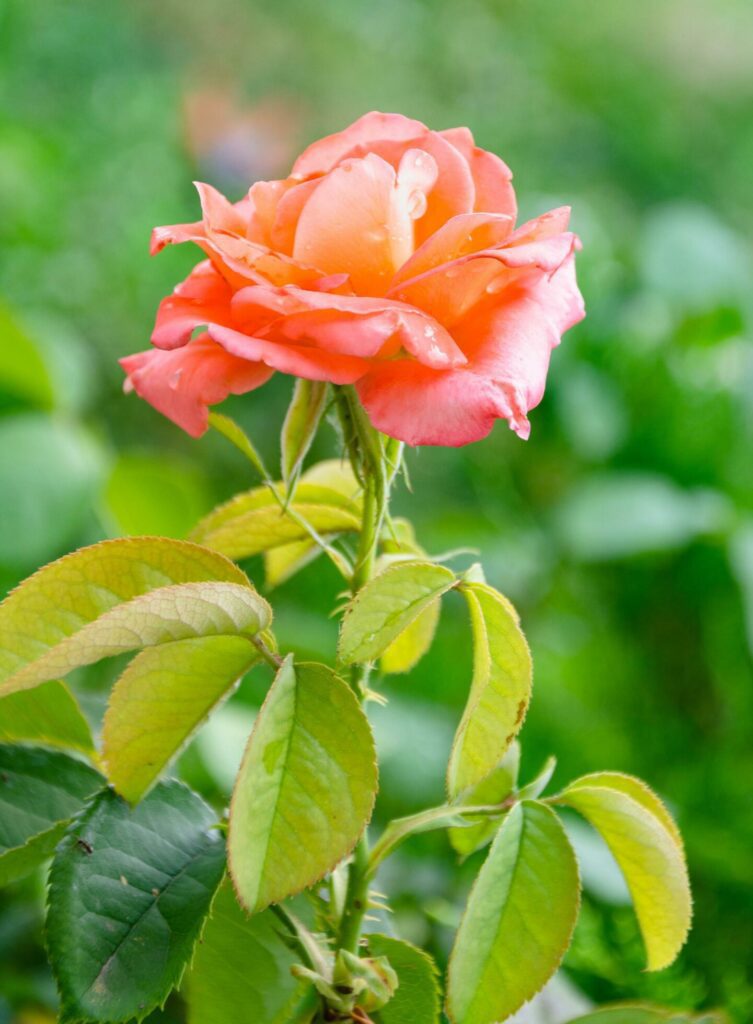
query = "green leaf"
{"x": 49, "y": 715}
{"x": 496, "y": 787}
{"x": 400, "y": 829}
{"x": 50, "y": 475}
{"x": 416, "y": 1000}
{"x": 500, "y": 690}
{"x": 646, "y": 845}
{"x": 254, "y": 522}
{"x": 519, "y": 919}
{"x": 306, "y": 788}
{"x": 282, "y": 562}
{"x": 116, "y": 597}
{"x": 40, "y": 791}
{"x": 162, "y": 698}
{"x": 412, "y": 644}
{"x": 241, "y": 969}
{"x": 387, "y": 605}
{"x": 129, "y": 891}
{"x": 635, "y": 1013}
{"x": 301, "y": 423}
{"x": 533, "y": 789}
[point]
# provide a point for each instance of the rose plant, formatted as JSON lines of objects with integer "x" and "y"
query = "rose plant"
{"x": 386, "y": 275}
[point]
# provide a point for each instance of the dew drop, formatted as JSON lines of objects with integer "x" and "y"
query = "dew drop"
{"x": 174, "y": 379}
{"x": 416, "y": 204}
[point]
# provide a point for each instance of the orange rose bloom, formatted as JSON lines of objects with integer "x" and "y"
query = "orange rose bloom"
{"x": 389, "y": 259}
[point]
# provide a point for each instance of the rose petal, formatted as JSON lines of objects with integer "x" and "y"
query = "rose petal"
{"x": 181, "y": 384}
{"x": 298, "y": 360}
{"x": 461, "y": 235}
{"x": 418, "y": 405}
{"x": 350, "y": 325}
{"x": 359, "y": 221}
{"x": 321, "y": 156}
{"x": 204, "y": 297}
{"x": 491, "y": 175}
{"x": 448, "y": 292}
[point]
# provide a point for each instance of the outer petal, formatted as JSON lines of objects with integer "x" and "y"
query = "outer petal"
{"x": 492, "y": 177}
{"x": 508, "y": 340}
{"x": 182, "y": 384}
{"x": 359, "y": 220}
{"x": 204, "y": 297}
{"x": 422, "y": 406}
{"x": 321, "y": 156}
{"x": 350, "y": 325}
{"x": 297, "y": 360}
{"x": 223, "y": 237}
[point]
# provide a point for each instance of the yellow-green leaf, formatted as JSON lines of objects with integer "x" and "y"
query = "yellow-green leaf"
{"x": 49, "y": 715}
{"x": 161, "y": 699}
{"x": 407, "y": 649}
{"x": 387, "y": 605}
{"x": 649, "y": 853}
{"x": 493, "y": 789}
{"x": 519, "y": 919}
{"x": 638, "y": 790}
{"x": 117, "y": 596}
{"x": 306, "y": 787}
{"x": 500, "y": 690}
{"x": 254, "y": 522}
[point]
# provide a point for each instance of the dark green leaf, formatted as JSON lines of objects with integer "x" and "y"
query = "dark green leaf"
{"x": 129, "y": 891}
{"x": 40, "y": 791}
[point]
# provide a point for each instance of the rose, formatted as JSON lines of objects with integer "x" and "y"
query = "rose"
{"x": 387, "y": 260}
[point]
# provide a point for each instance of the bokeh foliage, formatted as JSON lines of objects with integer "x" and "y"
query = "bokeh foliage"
{"x": 623, "y": 530}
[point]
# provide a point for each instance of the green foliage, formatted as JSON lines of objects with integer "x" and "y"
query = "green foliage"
{"x": 117, "y": 597}
{"x": 161, "y": 699}
{"x": 40, "y": 790}
{"x": 129, "y": 890}
{"x": 300, "y": 426}
{"x": 647, "y": 846}
{"x": 492, "y": 789}
{"x": 48, "y": 714}
{"x": 416, "y": 1000}
{"x": 521, "y": 910}
{"x": 241, "y": 969}
{"x": 387, "y": 605}
{"x": 635, "y": 1014}
{"x": 500, "y": 689}
{"x": 254, "y": 522}
{"x": 407, "y": 649}
{"x": 306, "y": 787}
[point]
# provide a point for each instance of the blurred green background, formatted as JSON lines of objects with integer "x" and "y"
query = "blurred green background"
{"x": 623, "y": 530}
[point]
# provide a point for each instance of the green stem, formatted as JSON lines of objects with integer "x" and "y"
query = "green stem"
{"x": 367, "y": 452}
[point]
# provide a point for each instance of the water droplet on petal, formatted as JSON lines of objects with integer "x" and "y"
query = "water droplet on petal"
{"x": 174, "y": 379}
{"x": 416, "y": 204}
{"x": 495, "y": 286}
